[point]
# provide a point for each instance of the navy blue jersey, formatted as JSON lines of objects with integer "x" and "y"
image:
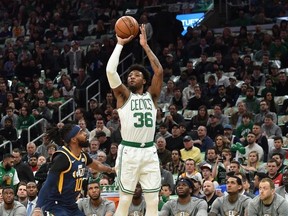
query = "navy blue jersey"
{"x": 65, "y": 191}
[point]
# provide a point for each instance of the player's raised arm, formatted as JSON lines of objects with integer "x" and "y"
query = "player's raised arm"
{"x": 157, "y": 80}
{"x": 120, "y": 91}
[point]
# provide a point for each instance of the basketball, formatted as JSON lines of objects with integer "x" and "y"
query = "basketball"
{"x": 126, "y": 26}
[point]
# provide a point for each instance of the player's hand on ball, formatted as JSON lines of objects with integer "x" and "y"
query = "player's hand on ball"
{"x": 124, "y": 41}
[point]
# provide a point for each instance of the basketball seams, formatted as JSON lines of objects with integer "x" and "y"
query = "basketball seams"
{"x": 126, "y": 26}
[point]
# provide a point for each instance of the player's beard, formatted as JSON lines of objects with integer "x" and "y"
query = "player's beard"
{"x": 84, "y": 144}
{"x": 133, "y": 89}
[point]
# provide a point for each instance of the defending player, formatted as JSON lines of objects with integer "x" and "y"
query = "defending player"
{"x": 137, "y": 156}
{"x": 64, "y": 182}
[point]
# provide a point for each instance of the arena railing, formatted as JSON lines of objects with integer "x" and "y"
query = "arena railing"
{"x": 122, "y": 65}
{"x": 43, "y": 127}
{"x": 66, "y": 104}
{"x": 96, "y": 96}
{"x": 3, "y": 145}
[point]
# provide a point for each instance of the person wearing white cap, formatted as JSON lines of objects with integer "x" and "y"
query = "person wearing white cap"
{"x": 206, "y": 170}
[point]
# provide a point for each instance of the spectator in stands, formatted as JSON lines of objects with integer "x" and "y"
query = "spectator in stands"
{"x": 222, "y": 80}
{"x": 245, "y": 127}
{"x": 266, "y": 64}
{"x": 270, "y": 100}
{"x": 282, "y": 85}
{"x": 93, "y": 148}
{"x": 252, "y": 103}
{"x": 200, "y": 119}
{"x": 33, "y": 163}
{"x": 257, "y": 78}
{"x": 175, "y": 141}
{"x": 9, "y": 131}
{"x": 178, "y": 99}
{"x": 100, "y": 126}
{"x": 95, "y": 204}
{"x": 270, "y": 128}
{"x": 203, "y": 141}
{"x": 221, "y": 143}
{"x": 138, "y": 204}
{"x": 210, "y": 157}
{"x": 210, "y": 89}
{"x": 198, "y": 100}
{"x": 104, "y": 141}
{"x": 42, "y": 111}
{"x": 257, "y": 178}
{"x": 280, "y": 161}
{"x": 183, "y": 81}
{"x": 173, "y": 117}
{"x": 177, "y": 165}
{"x": 252, "y": 146}
{"x": 11, "y": 205}
{"x": 109, "y": 100}
{"x": 232, "y": 91}
{"x": 218, "y": 111}
{"x": 54, "y": 102}
{"x": 184, "y": 189}
{"x": 269, "y": 87}
{"x": 190, "y": 151}
{"x": 167, "y": 92}
{"x": 163, "y": 132}
{"x": 8, "y": 172}
{"x": 22, "y": 193}
{"x": 75, "y": 58}
{"x": 170, "y": 67}
{"x": 214, "y": 126}
{"x": 30, "y": 151}
{"x": 209, "y": 192}
{"x": 218, "y": 64}
{"x": 203, "y": 67}
{"x": 278, "y": 50}
{"x": 163, "y": 154}
{"x": 190, "y": 170}
{"x": 222, "y": 98}
{"x": 20, "y": 99}
{"x": 264, "y": 110}
{"x": 48, "y": 88}
{"x": 282, "y": 190}
{"x": 188, "y": 92}
{"x": 32, "y": 192}
{"x": 272, "y": 168}
{"x": 278, "y": 143}
{"x": 23, "y": 170}
{"x": 112, "y": 154}
{"x": 236, "y": 118}
{"x": 261, "y": 139}
{"x": 253, "y": 164}
{"x": 228, "y": 133}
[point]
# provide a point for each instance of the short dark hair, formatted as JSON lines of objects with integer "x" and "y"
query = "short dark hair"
{"x": 144, "y": 71}
{"x": 238, "y": 180}
{"x": 261, "y": 175}
{"x": 278, "y": 138}
{"x": 8, "y": 155}
{"x": 278, "y": 153}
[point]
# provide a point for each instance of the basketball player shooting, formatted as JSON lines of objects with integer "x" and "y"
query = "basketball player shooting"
{"x": 137, "y": 159}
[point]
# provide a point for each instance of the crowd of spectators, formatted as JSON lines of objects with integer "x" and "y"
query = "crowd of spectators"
{"x": 218, "y": 101}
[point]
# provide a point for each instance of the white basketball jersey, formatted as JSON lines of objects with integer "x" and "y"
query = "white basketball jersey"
{"x": 138, "y": 118}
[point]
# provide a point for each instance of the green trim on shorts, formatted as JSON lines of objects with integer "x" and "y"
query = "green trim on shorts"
{"x": 151, "y": 190}
{"x": 137, "y": 145}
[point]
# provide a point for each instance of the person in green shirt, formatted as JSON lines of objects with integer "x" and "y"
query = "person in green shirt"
{"x": 8, "y": 174}
{"x": 245, "y": 127}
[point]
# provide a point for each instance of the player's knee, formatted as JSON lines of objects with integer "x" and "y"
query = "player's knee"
{"x": 151, "y": 199}
{"x": 125, "y": 199}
